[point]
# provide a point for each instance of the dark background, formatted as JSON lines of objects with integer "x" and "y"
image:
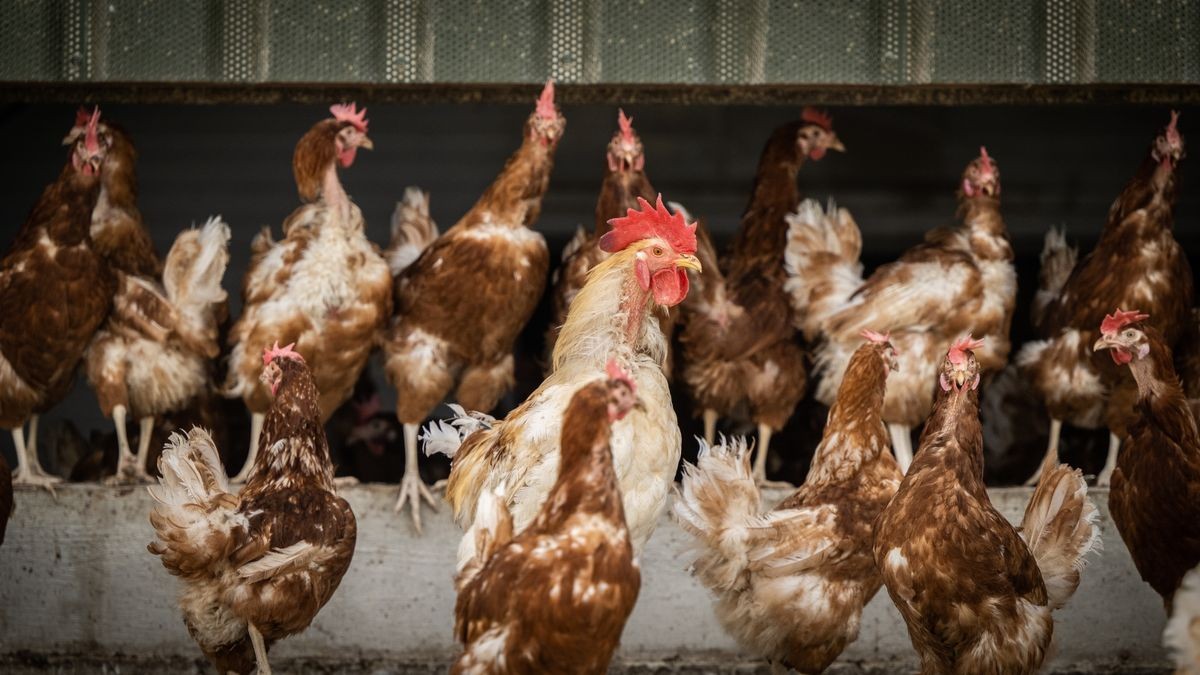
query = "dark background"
{"x": 1059, "y": 166}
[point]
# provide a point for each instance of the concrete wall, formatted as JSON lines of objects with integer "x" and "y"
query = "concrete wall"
{"x": 79, "y": 593}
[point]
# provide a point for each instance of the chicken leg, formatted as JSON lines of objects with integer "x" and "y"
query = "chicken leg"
{"x": 1051, "y": 458}
{"x": 260, "y": 650}
{"x": 412, "y": 489}
{"x": 124, "y": 454}
{"x": 760, "y": 460}
{"x": 710, "y": 425}
{"x": 901, "y": 445}
{"x": 31, "y": 441}
{"x": 256, "y": 425}
{"x": 145, "y": 431}
{"x": 29, "y": 470}
{"x": 1110, "y": 463}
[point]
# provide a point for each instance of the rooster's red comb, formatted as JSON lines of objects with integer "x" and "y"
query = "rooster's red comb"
{"x": 82, "y": 116}
{"x": 650, "y": 221}
{"x": 545, "y": 102}
{"x": 349, "y": 113}
{"x": 91, "y": 141}
{"x": 271, "y": 353}
{"x": 1172, "y": 129}
{"x": 626, "y": 126}
{"x": 817, "y": 117}
{"x": 616, "y": 372}
{"x": 958, "y": 350}
{"x": 1118, "y": 320}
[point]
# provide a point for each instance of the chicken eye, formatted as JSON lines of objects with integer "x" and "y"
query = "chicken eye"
{"x": 658, "y": 251}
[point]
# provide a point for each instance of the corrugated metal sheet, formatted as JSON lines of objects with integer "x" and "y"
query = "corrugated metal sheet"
{"x": 690, "y": 42}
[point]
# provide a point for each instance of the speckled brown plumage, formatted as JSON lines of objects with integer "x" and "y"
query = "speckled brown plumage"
{"x": 743, "y": 352}
{"x": 791, "y": 583}
{"x": 1137, "y": 263}
{"x": 1155, "y": 494}
{"x": 269, "y": 557}
{"x": 54, "y": 292}
{"x": 461, "y": 305}
{"x": 118, "y": 232}
{"x": 976, "y": 593}
{"x": 555, "y": 598}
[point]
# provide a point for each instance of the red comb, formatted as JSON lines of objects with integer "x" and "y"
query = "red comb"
{"x": 986, "y": 160}
{"x": 91, "y": 141}
{"x": 817, "y": 117}
{"x": 1172, "y": 131}
{"x": 1118, "y": 320}
{"x": 626, "y": 125}
{"x": 545, "y": 102}
{"x": 616, "y": 372}
{"x": 349, "y": 113}
{"x": 650, "y": 221}
{"x": 877, "y": 338}
{"x": 82, "y": 116}
{"x": 270, "y": 353}
{"x": 958, "y": 350}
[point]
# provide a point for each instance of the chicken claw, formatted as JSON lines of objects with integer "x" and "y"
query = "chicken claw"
{"x": 23, "y": 476}
{"x": 412, "y": 491}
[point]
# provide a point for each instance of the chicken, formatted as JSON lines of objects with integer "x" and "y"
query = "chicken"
{"x": 413, "y": 230}
{"x": 791, "y": 583}
{"x": 651, "y": 251}
{"x": 55, "y": 291}
{"x": 624, "y": 181}
{"x": 324, "y": 287}
{"x": 153, "y": 355}
{"x": 1155, "y": 495}
{"x": 447, "y": 335}
{"x": 740, "y": 354}
{"x": 1136, "y": 262}
{"x": 1182, "y": 635}
{"x": 960, "y": 279}
{"x": 255, "y": 567}
{"x": 574, "y": 562}
{"x": 976, "y": 593}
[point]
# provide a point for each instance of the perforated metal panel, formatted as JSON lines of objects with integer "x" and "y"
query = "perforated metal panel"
{"x": 698, "y": 42}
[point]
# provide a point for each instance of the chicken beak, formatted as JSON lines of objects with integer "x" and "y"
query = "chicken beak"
{"x": 837, "y": 145}
{"x": 1102, "y": 343}
{"x": 960, "y": 378}
{"x": 690, "y": 262}
{"x": 366, "y": 143}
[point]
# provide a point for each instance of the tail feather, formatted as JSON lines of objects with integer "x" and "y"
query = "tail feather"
{"x": 1182, "y": 636}
{"x": 446, "y": 436}
{"x": 718, "y": 499}
{"x": 1058, "y": 261}
{"x": 1060, "y": 528}
{"x": 195, "y": 516}
{"x": 822, "y": 262}
{"x": 195, "y": 266}
{"x": 413, "y": 230}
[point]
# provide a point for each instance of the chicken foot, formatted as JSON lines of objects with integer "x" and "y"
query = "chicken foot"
{"x": 760, "y": 460}
{"x": 256, "y": 425}
{"x": 1110, "y": 463}
{"x": 29, "y": 469}
{"x": 1051, "y": 458}
{"x": 901, "y": 445}
{"x": 412, "y": 489}
{"x": 260, "y": 650}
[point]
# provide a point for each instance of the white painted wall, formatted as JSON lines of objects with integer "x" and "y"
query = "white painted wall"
{"x": 78, "y": 586}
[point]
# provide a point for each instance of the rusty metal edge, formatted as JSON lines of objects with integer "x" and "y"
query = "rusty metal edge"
{"x": 207, "y": 93}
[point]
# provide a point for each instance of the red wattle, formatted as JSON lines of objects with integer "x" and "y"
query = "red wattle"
{"x": 1120, "y": 358}
{"x": 670, "y": 287}
{"x": 817, "y": 154}
{"x": 346, "y": 157}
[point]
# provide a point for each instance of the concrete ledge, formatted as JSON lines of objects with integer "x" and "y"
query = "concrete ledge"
{"x": 79, "y": 593}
